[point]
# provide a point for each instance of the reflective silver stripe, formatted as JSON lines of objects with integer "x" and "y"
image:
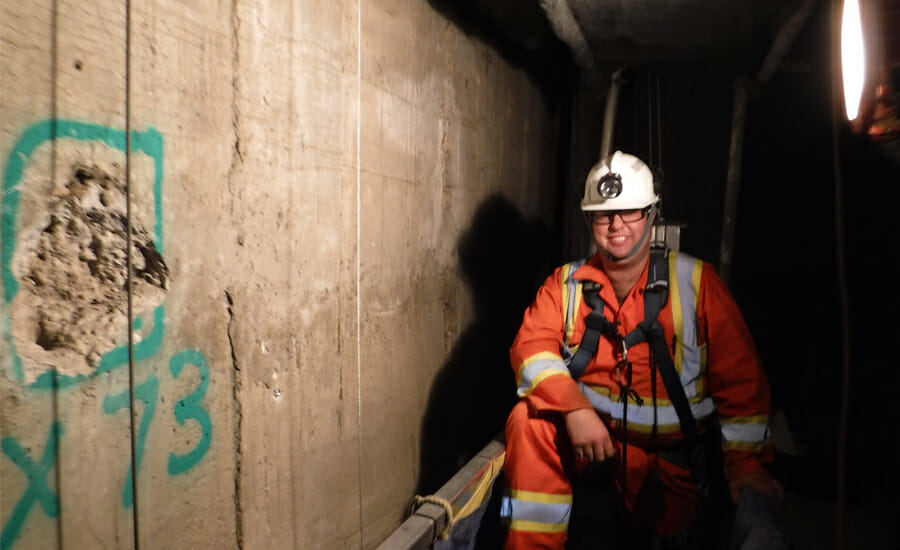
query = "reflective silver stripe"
{"x": 691, "y": 367}
{"x": 685, "y": 275}
{"x": 643, "y": 415}
{"x": 533, "y": 370}
{"x": 524, "y": 510}
{"x": 747, "y": 433}
{"x": 572, "y": 285}
{"x": 692, "y": 357}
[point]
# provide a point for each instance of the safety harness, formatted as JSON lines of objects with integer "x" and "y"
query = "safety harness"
{"x": 656, "y": 294}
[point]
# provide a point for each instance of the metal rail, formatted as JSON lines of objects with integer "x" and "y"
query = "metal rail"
{"x": 422, "y": 528}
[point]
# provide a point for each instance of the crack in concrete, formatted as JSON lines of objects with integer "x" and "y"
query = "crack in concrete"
{"x": 237, "y": 154}
{"x": 238, "y": 417}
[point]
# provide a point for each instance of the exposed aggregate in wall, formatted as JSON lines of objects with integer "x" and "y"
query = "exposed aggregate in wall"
{"x": 72, "y": 306}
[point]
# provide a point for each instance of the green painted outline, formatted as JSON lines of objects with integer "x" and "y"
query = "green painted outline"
{"x": 149, "y": 142}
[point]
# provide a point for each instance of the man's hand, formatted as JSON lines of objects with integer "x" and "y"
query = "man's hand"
{"x": 589, "y": 436}
{"x": 762, "y": 482}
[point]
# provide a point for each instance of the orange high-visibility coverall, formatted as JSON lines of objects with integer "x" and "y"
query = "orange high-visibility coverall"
{"x": 728, "y": 381}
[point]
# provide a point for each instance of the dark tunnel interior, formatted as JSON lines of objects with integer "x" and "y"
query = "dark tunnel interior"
{"x": 797, "y": 231}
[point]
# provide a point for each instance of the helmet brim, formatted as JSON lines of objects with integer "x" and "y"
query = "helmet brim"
{"x": 617, "y": 205}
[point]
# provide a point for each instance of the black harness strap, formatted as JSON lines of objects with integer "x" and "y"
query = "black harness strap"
{"x": 596, "y": 324}
{"x": 656, "y": 338}
{"x": 656, "y": 294}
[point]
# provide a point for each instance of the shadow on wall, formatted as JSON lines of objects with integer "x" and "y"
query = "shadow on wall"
{"x": 504, "y": 259}
{"x": 526, "y": 42}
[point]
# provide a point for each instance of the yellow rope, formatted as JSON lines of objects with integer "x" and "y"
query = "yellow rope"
{"x": 420, "y": 500}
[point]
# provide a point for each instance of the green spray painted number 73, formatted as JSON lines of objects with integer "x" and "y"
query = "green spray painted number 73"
{"x": 189, "y": 408}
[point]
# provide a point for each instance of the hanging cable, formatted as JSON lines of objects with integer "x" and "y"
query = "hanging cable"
{"x": 359, "y": 438}
{"x": 649, "y": 119}
{"x": 129, "y": 272}
{"x": 840, "y": 250}
{"x": 54, "y": 98}
{"x": 659, "y": 150}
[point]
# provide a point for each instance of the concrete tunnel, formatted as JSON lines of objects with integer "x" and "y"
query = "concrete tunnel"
{"x": 262, "y": 262}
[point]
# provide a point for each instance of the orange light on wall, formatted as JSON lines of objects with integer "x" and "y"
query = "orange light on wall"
{"x": 853, "y": 57}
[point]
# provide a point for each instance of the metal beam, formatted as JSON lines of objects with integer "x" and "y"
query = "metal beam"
{"x": 609, "y": 116}
{"x": 733, "y": 179}
{"x": 785, "y": 38}
{"x": 780, "y": 46}
{"x": 566, "y": 27}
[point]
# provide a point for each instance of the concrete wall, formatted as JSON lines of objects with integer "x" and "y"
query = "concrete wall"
{"x": 300, "y": 174}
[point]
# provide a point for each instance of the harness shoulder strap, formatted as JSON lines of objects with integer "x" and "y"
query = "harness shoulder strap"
{"x": 651, "y": 331}
{"x": 656, "y": 293}
{"x": 655, "y": 297}
{"x": 596, "y": 324}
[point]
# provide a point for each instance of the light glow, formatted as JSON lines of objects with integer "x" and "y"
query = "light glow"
{"x": 853, "y": 57}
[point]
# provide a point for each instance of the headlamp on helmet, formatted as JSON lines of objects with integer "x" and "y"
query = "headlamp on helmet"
{"x": 619, "y": 182}
{"x": 610, "y": 186}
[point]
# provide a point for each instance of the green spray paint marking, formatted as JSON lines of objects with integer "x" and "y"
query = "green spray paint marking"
{"x": 190, "y": 408}
{"x": 148, "y": 392}
{"x": 149, "y": 143}
{"x": 38, "y": 490}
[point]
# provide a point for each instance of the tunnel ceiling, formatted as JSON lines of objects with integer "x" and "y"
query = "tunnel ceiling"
{"x": 732, "y": 35}
{"x": 721, "y": 31}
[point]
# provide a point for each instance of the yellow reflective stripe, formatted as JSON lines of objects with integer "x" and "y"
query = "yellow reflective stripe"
{"x": 538, "y": 527}
{"x": 664, "y": 429}
{"x": 544, "y": 374}
{"x": 743, "y": 446}
{"x": 695, "y": 282}
{"x": 565, "y": 301}
{"x": 544, "y": 498}
{"x": 753, "y": 419}
{"x": 579, "y": 292}
{"x": 570, "y": 317}
{"x": 536, "y": 357}
{"x": 677, "y": 316}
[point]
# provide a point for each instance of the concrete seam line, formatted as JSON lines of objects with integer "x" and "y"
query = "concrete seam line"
{"x": 359, "y": 461}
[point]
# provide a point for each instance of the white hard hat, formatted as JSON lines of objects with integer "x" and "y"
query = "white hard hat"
{"x": 619, "y": 182}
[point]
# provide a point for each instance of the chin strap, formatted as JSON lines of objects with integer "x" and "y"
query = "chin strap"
{"x": 651, "y": 217}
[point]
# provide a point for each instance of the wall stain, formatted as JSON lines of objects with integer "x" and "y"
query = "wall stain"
{"x": 87, "y": 181}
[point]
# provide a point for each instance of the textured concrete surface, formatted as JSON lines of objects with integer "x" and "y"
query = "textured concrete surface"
{"x": 300, "y": 175}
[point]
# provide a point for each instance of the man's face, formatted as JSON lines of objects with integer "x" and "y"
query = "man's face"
{"x": 616, "y": 235}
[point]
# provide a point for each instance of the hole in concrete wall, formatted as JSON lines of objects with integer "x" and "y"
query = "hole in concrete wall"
{"x": 72, "y": 303}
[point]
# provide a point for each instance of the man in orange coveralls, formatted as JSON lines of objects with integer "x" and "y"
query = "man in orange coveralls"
{"x": 561, "y": 424}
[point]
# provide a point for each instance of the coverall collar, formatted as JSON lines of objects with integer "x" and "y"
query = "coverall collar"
{"x": 592, "y": 270}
